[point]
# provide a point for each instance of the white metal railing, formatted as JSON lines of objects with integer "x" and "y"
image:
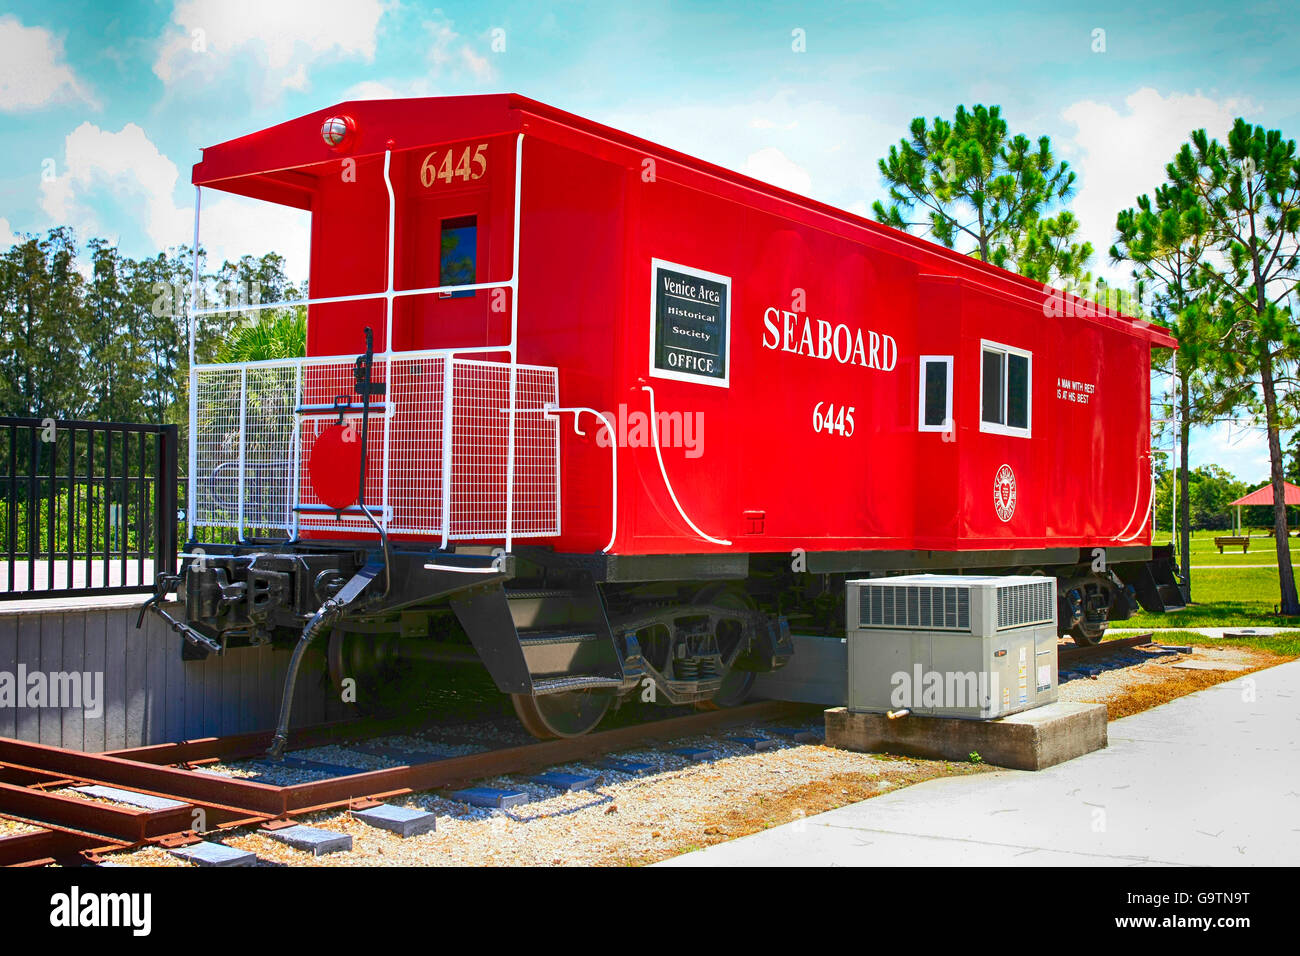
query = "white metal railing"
{"x": 200, "y": 375}
{"x": 440, "y": 461}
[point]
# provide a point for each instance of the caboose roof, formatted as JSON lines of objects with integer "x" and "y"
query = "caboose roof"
{"x": 282, "y": 164}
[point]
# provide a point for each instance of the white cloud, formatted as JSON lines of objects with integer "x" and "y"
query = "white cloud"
{"x": 127, "y": 165}
{"x": 773, "y": 166}
{"x": 7, "y": 235}
{"x": 234, "y": 226}
{"x": 33, "y": 73}
{"x": 1241, "y": 449}
{"x": 284, "y": 38}
{"x": 125, "y": 169}
{"x": 389, "y": 89}
{"x": 448, "y": 51}
{"x": 834, "y": 150}
{"x": 1121, "y": 155}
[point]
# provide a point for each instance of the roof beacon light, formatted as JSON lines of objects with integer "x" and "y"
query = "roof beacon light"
{"x": 338, "y": 132}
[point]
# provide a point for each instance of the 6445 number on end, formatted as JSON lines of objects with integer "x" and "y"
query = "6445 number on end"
{"x": 833, "y": 421}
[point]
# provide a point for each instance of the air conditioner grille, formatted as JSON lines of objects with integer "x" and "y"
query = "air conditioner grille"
{"x": 946, "y": 608}
{"x": 1021, "y": 604}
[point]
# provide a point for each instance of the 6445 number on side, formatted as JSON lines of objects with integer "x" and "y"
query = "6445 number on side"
{"x": 835, "y": 420}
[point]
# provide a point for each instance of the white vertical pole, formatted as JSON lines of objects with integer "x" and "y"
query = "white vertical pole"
{"x": 389, "y": 397}
{"x": 193, "y": 442}
{"x": 295, "y": 452}
{"x": 448, "y": 374}
{"x": 514, "y": 329}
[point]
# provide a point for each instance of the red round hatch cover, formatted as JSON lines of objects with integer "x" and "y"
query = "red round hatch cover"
{"x": 335, "y": 466}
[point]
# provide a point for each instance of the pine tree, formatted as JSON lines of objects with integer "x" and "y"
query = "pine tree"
{"x": 1166, "y": 240}
{"x": 970, "y": 180}
{"x": 1250, "y": 189}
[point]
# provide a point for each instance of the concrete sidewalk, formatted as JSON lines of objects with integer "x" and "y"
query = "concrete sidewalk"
{"x": 1209, "y": 779}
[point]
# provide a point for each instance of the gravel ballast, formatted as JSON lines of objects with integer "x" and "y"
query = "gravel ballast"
{"x": 677, "y": 805}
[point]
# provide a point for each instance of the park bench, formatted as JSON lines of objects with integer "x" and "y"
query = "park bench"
{"x": 1232, "y": 542}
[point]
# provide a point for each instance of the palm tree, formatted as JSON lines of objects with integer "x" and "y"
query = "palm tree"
{"x": 280, "y": 334}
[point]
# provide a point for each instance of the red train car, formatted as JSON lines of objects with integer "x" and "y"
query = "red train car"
{"x": 625, "y": 415}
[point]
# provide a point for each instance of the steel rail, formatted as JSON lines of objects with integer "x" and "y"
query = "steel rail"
{"x": 53, "y": 844}
{"x": 1085, "y": 652}
{"x": 119, "y": 824}
{"x": 75, "y": 826}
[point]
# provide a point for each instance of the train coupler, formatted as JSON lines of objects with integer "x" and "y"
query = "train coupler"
{"x": 330, "y": 611}
{"x": 166, "y": 584}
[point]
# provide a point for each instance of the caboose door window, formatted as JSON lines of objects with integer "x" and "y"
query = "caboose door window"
{"x": 458, "y": 254}
{"x": 1005, "y": 397}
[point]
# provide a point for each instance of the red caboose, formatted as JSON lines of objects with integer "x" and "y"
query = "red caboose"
{"x": 625, "y": 413}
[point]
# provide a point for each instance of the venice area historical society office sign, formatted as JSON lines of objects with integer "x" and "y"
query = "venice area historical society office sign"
{"x": 690, "y": 324}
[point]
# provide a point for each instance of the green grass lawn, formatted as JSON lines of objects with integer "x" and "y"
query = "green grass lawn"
{"x": 1224, "y": 597}
{"x": 1286, "y": 644}
{"x": 1261, "y": 549}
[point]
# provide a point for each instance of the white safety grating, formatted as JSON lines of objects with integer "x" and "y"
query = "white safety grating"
{"x": 268, "y": 448}
{"x": 1021, "y": 604}
{"x": 415, "y": 446}
{"x": 324, "y": 383}
{"x": 216, "y": 445}
{"x": 537, "y": 455}
{"x": 480, "y": 426}
{"x": 272, "y": 446}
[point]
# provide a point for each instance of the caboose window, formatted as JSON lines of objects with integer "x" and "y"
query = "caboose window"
{"x": 458, "y": 264}
{"x": 1005, "y": 404}
{"x": 935, "y": 410}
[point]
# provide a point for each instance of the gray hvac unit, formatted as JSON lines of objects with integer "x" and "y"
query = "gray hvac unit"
{"x": 944, "y": 645}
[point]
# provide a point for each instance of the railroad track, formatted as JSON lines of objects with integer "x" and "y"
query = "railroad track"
{"x": 185, "y": 801}
{"x": 1067, "y": 654}
{"x": 189, "y": 802}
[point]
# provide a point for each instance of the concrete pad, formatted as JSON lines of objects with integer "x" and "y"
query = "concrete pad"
{"x": 316, "y": 841}
{"x": 1030, "y": 740}
{"x": 214, "y": 854}
{"x": 1210, "y": 666}
{"x": 1209, "y": 779}
{"x": 632, "y": 768}
{"x": 130, "y": 797}
{"x": 757, "y": 744}
{"x": 491, "y": 797}
{"x": 567, "y": 781}
{"x": 698, "y": 754}
{"x": 403, "y": 821}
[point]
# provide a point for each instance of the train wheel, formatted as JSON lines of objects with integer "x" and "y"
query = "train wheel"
{"x": 568, "y": 714}
{"x": 1087, "y": 635}
{"x": 1093, "y": 594}
{"x": 736, "y": 685}
{"x": 367, "y": 672}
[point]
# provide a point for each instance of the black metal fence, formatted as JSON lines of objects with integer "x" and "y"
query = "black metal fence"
{"x": 86, "y": 508}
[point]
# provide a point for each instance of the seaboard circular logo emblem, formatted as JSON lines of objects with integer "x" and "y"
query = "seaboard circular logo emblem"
{"x": 1004, "y": 493}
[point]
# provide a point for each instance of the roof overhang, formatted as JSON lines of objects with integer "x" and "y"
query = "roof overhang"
{"x": 282, "y": 163}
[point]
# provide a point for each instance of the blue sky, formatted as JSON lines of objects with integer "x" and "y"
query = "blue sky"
{"x": 103, "y": 106}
